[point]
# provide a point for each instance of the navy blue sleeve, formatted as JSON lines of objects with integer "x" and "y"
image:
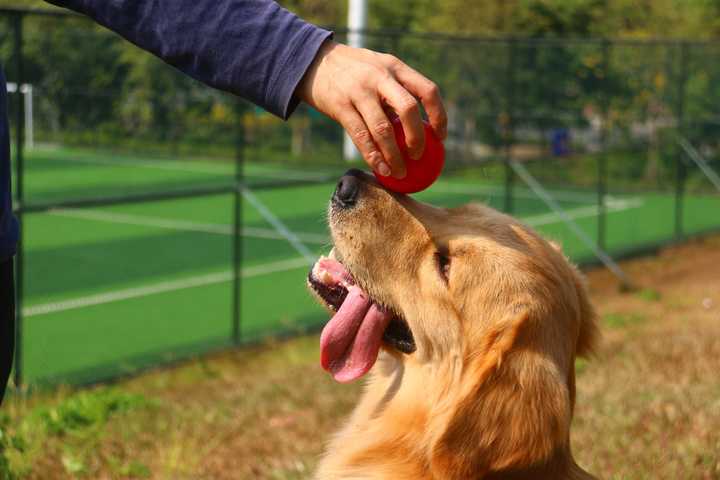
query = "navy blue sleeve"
{"x": 252, "y": 48}
{"x": 8, "y": 223}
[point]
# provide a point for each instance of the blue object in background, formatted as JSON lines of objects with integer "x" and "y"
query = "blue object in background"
{"x": 560, "y": 142}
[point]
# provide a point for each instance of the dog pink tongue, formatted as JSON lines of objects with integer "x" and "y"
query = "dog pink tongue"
{"x": 350, "y": 342}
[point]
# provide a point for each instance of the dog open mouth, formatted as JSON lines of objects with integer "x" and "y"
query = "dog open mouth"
{"x": 351, "y": 340}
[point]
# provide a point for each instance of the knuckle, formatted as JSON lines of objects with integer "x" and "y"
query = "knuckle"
{"x": 374, "y": 158}
{"x": 391, "y": 60}
{"x": 361, "y": 134}
{"x": 395, "y": 160}
{"x": 343, "y": 103}
{"x": 407, "y": 105}
{"x": 383, "y": 129}
{"x": 432, "y": 90}
{"x": 370, "y": 74}
{"x": 413, "y": 141}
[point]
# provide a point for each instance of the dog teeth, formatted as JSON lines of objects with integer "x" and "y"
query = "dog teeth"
{"x": 317, "y": 269}
{"x": 321, "y": 274}
{"x": 325, "y": 277}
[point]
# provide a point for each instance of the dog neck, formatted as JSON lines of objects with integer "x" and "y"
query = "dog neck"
{"x": 389, "y": 431}
{"x": 561, "y": 466}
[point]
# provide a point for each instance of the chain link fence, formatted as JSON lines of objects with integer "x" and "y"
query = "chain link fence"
{"x": 163, "y": 219}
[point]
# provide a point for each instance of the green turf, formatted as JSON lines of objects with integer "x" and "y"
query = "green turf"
{"x": 142, "y": 246}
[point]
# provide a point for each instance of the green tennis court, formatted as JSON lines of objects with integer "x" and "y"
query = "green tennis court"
{"x": 111, "y": 289}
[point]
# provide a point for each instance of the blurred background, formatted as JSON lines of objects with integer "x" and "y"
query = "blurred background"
{"x": 163, "y": 220}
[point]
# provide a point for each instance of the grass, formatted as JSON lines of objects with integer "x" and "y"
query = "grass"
{"x": 84, "y": 255}
{"x": 649, "y": 294}
{"x": 618, "y": 320}
{"x": 162, "y": 430}
{"x": 647, "y": 404}
{"x": 77, "y": 420}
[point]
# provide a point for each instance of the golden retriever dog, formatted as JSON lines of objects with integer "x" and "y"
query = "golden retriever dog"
{"x": 468, "y": 323}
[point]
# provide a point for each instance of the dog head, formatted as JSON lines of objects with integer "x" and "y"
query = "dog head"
{"x": 469, "y": 295}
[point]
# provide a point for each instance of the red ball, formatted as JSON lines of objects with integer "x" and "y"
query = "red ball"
{"x": 421, "y": 173}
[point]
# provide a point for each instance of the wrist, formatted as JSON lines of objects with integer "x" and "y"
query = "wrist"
{"x": 304, "y": 89}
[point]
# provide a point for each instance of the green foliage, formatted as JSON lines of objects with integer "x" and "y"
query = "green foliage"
{"x": 26, "y": 4}
{"x": 612, "y": 18}
{"x": 135, "y": 470}
{"x": 649, "y": 294}
{"x": 73, "y": 464}
{"x": 87, "y": 410}
{"x": 581, "y": 365}
{"x": 6, "y": 443}
{"x": 79, "y": 421}
{"x": 620, "y": 320}
{"x": 95, "y": 89}
{"x": 543, "y": 18}
{"x": 320, "y": 12}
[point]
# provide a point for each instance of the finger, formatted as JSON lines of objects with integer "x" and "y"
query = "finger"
{"x": 408, "y": 110}
{"x": 382, "y": 133}
{"x": 355, "y": 126}
{"x": 428, "y": 93}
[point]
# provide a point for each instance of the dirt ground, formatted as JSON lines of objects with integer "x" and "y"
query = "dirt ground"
{"x": 648, "y": 404}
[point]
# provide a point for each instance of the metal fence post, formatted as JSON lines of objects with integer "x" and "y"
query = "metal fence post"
{"x": 19, "y": 193}
{"x": 680, "y": 170}
{"x": 679, "y": 194}
{"x": 509, "y": 136}
{"x": 237, "y": 247}
{"x": 602, "y": 158}
{"x": 514, "y": 114}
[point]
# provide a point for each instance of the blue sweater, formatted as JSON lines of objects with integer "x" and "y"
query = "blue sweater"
{"x": 252, "y": 48}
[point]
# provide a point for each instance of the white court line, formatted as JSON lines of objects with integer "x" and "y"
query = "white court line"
{"x": 269, "y": 172}
{"x": 700, "y": 161}
{"x": 181, "y": 225}
{"x": 278, "y": 225}
{"x": 613, "y": 205}
{"x": 171, "y": 165}
{"x": 174, "y": 165}
{"x": 562, "y": 214}
{"x": 162, "y": 287}
{"x": 470, "y": 189}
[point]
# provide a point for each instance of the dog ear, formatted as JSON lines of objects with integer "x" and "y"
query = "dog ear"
{"x": 589, "y": 335}
{"x": 514, "y": 412}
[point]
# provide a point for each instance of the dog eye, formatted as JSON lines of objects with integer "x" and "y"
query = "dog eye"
{"x": 443, "y": 263}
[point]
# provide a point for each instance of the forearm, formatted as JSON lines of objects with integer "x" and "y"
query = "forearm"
{"x": 253, "y": 48}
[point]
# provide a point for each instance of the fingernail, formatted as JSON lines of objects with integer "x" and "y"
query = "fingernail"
{"x": 416, "y": 154}
{"x": 400, "y": 175}
{"x": 383, "y": 169}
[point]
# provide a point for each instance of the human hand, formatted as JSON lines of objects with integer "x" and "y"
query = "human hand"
{"x": 358, "y": 87}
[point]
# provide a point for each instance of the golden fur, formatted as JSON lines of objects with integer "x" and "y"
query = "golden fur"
{"x": 490, "y": 391}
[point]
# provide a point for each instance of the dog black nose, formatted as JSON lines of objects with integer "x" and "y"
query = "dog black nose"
{"x": 348, "y": 188}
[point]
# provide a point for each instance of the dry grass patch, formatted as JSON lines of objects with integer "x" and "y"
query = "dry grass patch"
{"x": 648, "y": 405}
